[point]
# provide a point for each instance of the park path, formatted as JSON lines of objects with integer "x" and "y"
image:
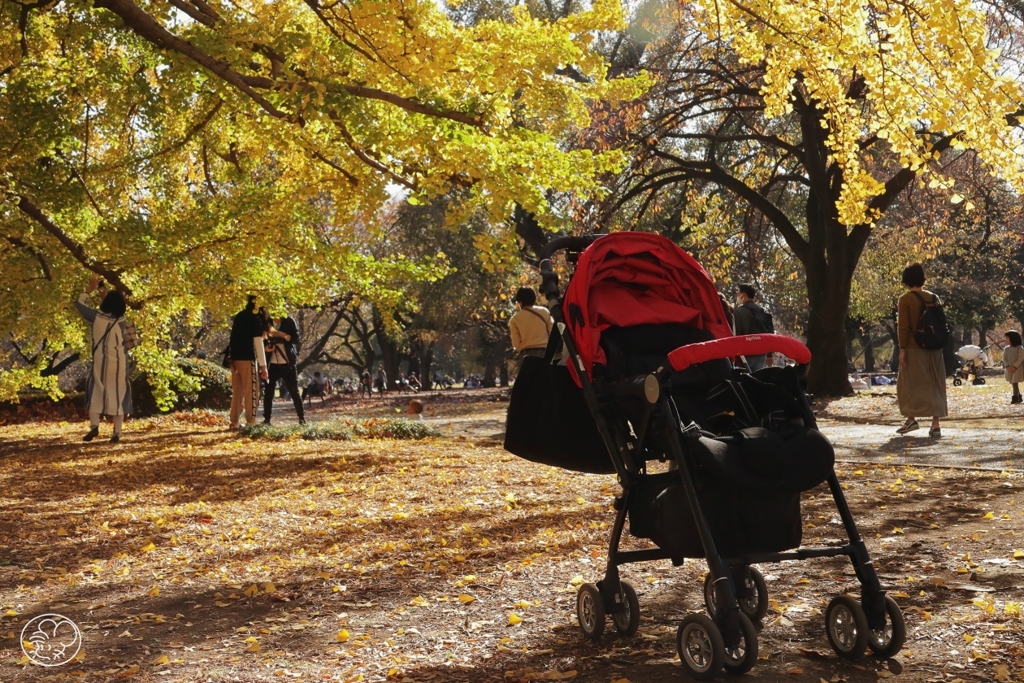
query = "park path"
{"x": 986, "y": 443}
{"x": 990, "y": 443}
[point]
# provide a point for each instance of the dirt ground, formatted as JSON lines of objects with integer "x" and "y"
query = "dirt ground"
{"x": 190, "y": 553}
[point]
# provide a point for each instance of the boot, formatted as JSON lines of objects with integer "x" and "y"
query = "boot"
{"x": 1017, "y": 398}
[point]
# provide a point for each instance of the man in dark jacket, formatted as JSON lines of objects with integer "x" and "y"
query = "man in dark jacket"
{"x": 744, "y": 313}
{"x": 246, "y": 353}
{"x": 282, "y": 355}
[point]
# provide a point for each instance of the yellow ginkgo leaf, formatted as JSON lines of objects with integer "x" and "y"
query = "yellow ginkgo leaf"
{"x": 255, "y": 647}
{"x": 154, "y": 591}
{"x": 162, "y": 659}
{"x": 988, "y": 515}
{"x": 343, "y": 635}
{"x": 514, "y": 619}
{"x": 968, "y": 639}
{"x": 466, "y": 599}
{"x": 1018, "y": 554}
{"x": 148, "y": 547}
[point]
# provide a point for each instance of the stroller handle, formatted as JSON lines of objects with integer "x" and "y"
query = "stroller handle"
{"x": 572, "y": 243}
{"x": 747, "y": 345}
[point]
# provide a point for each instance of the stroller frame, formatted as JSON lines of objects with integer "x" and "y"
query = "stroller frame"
{"x": 876, "y": 619}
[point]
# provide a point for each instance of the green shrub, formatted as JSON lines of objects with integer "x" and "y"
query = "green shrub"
{"x": 343, "y": 430}
{"x": 214, "y": 391}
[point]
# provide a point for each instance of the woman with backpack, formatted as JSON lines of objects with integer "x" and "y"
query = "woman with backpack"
{"x": 921, "y": 383}
{"x": 107, "y": 390}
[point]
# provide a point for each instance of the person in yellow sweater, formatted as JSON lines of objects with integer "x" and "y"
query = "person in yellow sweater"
{"x": 530, "y": 326}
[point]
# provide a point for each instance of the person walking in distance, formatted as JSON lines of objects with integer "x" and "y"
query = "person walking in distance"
{"x": 750, "y": 318}
{"x": 1013, "y": 364}
{"x": 247, "y": 354}
{"x": 281, "y": 345}
{"x": 365, "y": 384}
{"x": 381, "y": 381}
{"x": 530, "y": 326}
{"x": 921, "y": 382}
{"x": 107, "y": 390}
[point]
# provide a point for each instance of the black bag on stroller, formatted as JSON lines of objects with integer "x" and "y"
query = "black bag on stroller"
{"x": 549, "y": 423}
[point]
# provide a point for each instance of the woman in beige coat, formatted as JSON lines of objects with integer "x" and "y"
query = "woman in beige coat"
{"x": 1013, "y": 364}
{"x": 921, "y": 384}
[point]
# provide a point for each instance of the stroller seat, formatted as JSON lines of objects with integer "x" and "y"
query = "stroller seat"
{"x": 759, "y": 433}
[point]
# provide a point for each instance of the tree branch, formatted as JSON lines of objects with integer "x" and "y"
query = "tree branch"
{"x": 195, "y": 13}
{"x": 35, "y": 252}
{"x": 147, "y": 27}
{"x": 74, "y": 248}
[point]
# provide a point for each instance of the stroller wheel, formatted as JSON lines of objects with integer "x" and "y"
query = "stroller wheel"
{"x": 754, "y": 606}
{"x": 701, "y": 648}
{"x": 957, "y": 381}
{"x": 743, "y": 657}
{"x": 887, "y": 641}
{"x": 978, "y": 381}
{"x": 628, "y": 621}
{"x": 846, "y": 627}
{"x": 590, "y": 611}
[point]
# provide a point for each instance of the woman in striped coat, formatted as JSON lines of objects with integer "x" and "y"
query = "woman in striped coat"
{"x": 107, "y": 391}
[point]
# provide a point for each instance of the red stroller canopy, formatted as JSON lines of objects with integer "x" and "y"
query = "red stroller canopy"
{"x": 637, "y": 278}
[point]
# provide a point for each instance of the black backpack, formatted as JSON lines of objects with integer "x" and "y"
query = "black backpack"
{"x": 762, "y": 320}
{"x": 932, "y": 330}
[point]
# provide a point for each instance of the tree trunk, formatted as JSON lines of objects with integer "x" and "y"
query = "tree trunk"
{"x": 388, "y": 351}
{"x": 503, "y": 374}
{"x": 489, "y": 380}
{"x": 426, "y": 360}
{"x": 869, "y": 353}
{"x": 828, "y": 295}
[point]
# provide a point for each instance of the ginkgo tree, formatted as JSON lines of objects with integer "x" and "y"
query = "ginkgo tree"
{"x": 189, "y": 151}
{"x": 818, "y": 115}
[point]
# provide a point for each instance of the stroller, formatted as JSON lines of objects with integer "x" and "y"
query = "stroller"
{"x": 973, "y": 360}
{"x": 647, "y": 378}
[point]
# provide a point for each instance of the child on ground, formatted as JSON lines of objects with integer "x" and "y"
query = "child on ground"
{"x": 1013, "y": 364}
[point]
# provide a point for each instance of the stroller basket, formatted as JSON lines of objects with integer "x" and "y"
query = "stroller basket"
{"x": 741, "y": 521}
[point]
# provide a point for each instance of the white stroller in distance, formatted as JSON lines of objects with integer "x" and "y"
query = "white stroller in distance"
{"x": 973, "y": 360}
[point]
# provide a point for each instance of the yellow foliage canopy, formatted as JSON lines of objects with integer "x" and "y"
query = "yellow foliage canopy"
{"x": 924, "y": 66}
